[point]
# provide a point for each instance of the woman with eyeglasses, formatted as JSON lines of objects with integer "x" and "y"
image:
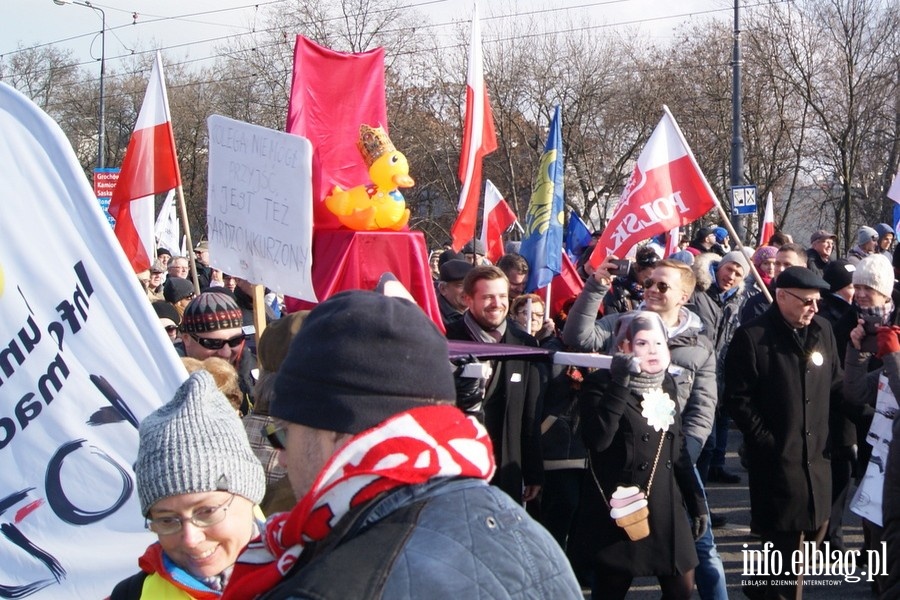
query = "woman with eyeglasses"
{"x": 198, "y": 482}
{"x": 528, "y": 311}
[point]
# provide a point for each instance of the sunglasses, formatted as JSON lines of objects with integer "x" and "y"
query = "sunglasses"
{"x": 277, "y": 436}
{"x": 807, "y": 302}
{"x": 211, "y": 344}
{"x": 171, "y": 328}
{"x": 662, "y": 286}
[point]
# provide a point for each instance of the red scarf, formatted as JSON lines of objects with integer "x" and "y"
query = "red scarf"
{"x": 410, "y": 448}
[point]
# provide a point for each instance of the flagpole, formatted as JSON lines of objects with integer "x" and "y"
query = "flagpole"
{"x": 763, "y": 288}
{"x": 187, "y": 233}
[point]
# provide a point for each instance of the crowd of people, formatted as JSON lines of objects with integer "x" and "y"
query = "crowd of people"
{"x": 345, "y": 456}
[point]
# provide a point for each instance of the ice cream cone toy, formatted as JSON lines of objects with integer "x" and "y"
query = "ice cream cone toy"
{"x": 628, "y": 506}
{"x": 623, "y": 496}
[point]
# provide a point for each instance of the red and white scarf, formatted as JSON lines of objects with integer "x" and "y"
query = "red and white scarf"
{"x": 410, "y": 448}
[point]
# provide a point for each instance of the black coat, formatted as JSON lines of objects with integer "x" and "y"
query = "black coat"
{"x": 622, "y": 448}
{"x": 781, "y": 401}
{"x": 516, "y": 389}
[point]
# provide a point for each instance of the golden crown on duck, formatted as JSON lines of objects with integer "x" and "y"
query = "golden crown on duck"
{"x": 373, "y": 142}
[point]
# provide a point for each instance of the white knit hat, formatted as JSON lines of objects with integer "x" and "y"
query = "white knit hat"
{"x": 196, "y": 443}
{"x": 876, "y": 272}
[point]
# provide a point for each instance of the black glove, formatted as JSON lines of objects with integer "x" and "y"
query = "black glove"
{"x": 469, "y": 390}
{"x": 699, "y": 525}
{"x": 621, "y": 368}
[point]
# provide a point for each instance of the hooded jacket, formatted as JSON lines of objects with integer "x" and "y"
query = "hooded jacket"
{"x": 693, "y": 364}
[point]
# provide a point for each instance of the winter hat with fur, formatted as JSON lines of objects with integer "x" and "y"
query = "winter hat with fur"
{"x": 196, "y": 443}
{"x": 876, "y": 272}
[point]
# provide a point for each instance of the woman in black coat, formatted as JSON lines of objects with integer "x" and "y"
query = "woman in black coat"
{"x": 632, "y": 429}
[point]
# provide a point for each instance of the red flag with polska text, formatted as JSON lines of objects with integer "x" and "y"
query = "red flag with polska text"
{"x": 666, "y": 190}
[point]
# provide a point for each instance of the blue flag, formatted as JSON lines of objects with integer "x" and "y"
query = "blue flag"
{"x": 542, "y": 245}
{"x": 578, "y": 236}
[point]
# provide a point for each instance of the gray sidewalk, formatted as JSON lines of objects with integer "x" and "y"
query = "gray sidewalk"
{"x": 734, "y": 502}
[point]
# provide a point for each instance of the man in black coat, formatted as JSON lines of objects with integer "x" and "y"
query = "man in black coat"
{"x": 782, "y": 376}
{"x": 511, "y": 408}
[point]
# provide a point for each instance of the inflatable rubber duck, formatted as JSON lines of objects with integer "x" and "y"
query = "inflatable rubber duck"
{"x": 378, "y": 205}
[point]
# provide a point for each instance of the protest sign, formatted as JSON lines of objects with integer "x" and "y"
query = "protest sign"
{"x": 82, "y": 360}
{"x": 259, "y": 207}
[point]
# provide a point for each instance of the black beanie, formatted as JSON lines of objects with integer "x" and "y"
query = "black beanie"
{"x": 359, "y": 359}
{"x": 839, "y": 274}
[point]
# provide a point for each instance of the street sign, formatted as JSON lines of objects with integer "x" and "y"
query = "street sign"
{"x": 104, "y": 183}
{"x": 743, "y": 199}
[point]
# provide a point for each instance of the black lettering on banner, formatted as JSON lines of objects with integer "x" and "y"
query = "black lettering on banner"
{"x": 15, "y": 535}
{"x": 56, "y": 496}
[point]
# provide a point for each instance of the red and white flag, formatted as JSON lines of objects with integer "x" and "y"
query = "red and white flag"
{"x": 150, "y": 167}
{"x": 479, "y": 140}
{"x": 768, "y": 225}
{"x": 497, "y": 218}
{"x": 666, "y": 190}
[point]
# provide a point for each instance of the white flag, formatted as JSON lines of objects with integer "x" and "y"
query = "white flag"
{"x": 894, "y": 192}
{"x": 84, "y": 360}
{"x": 167, "y": 224}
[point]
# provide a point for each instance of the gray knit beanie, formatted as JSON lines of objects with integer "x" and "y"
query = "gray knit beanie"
{"x": 737, "y": 257}
{"x": 865, "y": 235}
{"x": 196, "y": 443}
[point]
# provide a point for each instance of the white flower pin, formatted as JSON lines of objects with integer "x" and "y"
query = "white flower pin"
{"x": 817, "y": 358}
{"x": 658, "y": 409}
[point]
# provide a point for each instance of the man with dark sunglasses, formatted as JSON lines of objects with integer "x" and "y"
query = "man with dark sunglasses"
{"x": 212, "y": 325}
{"x": 693, "y": 367}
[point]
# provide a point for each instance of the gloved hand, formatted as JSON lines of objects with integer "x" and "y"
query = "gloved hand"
{"x": 469, "y": 390}
{"x": 621, "y": 368}
{"x": 699, "y": 525}
{"x": 888, "y": 340}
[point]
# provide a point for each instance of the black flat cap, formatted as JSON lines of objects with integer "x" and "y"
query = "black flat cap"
{"x": 801, "y": 278}
{"x": 455, "y": 270}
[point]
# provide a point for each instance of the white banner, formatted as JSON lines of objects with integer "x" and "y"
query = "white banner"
{"x": 82, "y": 360}
{"x": 867, "y": 501}
{"x": 259, "y": 206}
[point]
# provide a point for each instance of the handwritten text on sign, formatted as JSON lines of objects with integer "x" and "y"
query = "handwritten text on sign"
{"x": 259, "y": 207}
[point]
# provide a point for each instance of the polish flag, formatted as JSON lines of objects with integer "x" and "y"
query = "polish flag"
{"x": 894, "y": 194}
{"x": 497, "y": 218}
{"x": 768, "y": 225}
{"x": 150, "y": 167}
{"x": 666, "y": 190}
{"x": 479, "y": 140}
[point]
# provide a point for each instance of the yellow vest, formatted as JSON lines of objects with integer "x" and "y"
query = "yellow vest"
{"x": 158, "y": 588}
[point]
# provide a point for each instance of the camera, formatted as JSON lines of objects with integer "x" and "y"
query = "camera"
{"x": 622, "y": 267}
{"x": 871, "y": 323}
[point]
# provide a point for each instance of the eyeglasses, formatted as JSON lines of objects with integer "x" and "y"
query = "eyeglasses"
{"x": 807, "y": 302}
{"x": 205, "y": 516}
{"x": 535, "y": 316}
{"x": 171, "y": 328}
{"x": 277, "y": 436}
{"x": 213, "y": 344}
{"x": 662, "y": 286}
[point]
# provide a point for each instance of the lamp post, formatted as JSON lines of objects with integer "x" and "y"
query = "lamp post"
{"x": 101, "y": 127}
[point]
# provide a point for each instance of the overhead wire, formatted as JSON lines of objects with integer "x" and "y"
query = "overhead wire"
{"x": 232, "y": 36}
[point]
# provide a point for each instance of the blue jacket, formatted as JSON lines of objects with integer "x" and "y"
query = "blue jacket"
{"x": 449, "y": 538}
